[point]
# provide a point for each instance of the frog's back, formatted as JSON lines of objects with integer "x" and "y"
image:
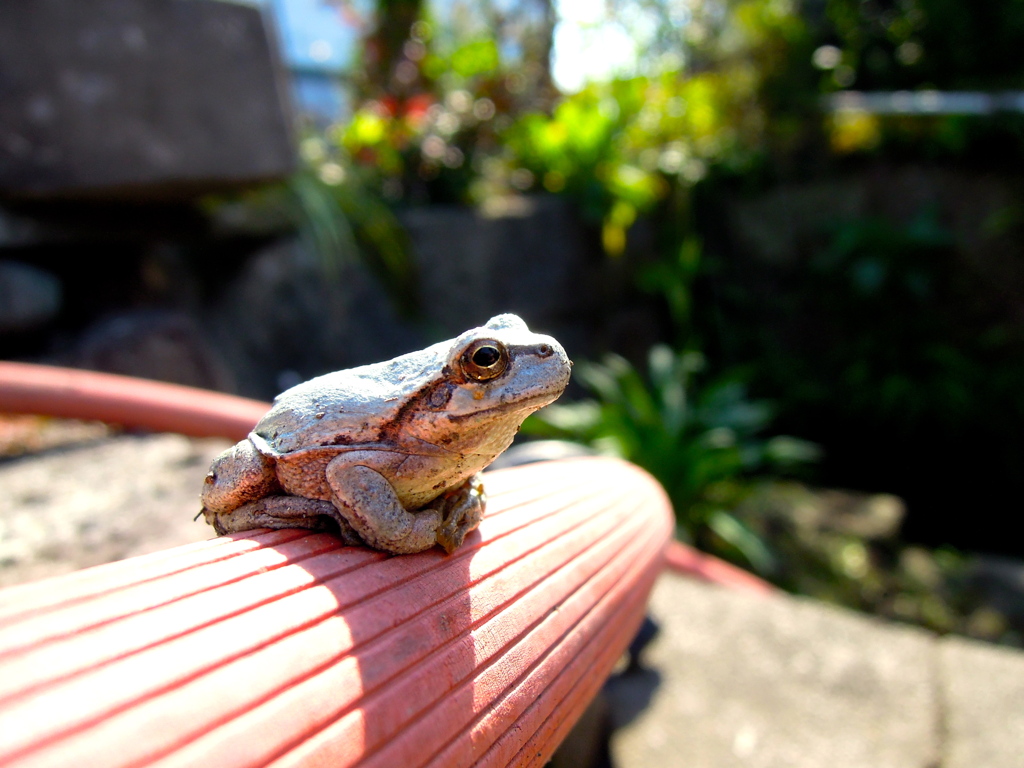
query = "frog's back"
{"x": 345, "y": 408}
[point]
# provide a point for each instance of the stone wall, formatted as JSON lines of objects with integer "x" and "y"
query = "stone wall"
{"x": 138, "y": 98}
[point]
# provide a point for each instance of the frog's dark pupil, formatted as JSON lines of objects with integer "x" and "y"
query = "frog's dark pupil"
{"x": 485, "y": 357}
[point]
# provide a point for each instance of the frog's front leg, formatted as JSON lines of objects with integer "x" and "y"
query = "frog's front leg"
{"x": 283, "y": 512}
{"x": 462, "y": 508}
{"x": 367, "y": 500}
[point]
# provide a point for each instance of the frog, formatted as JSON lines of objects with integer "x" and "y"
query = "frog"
{"x": 390, "y": 455}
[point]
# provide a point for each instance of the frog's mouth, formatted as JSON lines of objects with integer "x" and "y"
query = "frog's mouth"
{"x": 515, "y": 406}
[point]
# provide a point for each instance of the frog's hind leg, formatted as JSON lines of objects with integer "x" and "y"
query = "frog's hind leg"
{"x": 283, "y": 512}
{"x": 368, "y": 502}
{"x": 462, "y": 509}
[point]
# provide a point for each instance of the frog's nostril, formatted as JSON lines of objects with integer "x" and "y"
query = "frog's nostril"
{"x": 545, "y": 350}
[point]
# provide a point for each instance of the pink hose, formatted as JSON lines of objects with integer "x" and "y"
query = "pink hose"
{"x": 130, "y": 402}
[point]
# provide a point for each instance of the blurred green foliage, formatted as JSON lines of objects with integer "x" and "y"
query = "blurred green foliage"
{"x": 888, "y": 348}
{"x": 429, "y": 130}
{"x": 876, "y": 287}
{"x": 843, "y": 548}
{"x": 336, "y": 216}
{"x": 617, "y": 148}
{"x": 911, "y": 44}
{"x": 428, "y": 147}
{"x": 474, "y": 125}
{"x": 700, "y": 442}
{"x": 877, "y": 331}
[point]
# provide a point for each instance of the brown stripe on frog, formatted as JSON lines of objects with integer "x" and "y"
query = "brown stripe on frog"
{"x": 429, "y": 399}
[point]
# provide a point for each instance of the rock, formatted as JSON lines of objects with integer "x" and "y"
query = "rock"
{"x": 983, "y": 694}
{"x": 29, "y": 297}
{"x": 779, "y": 228}
{"x": 152, "y": 344}
{"x": 286, "y": 318}
{"x": 998, "y": 582}
{"x": 871, "y": 516}
{"x": 752, "y": 681}
{"x": 527, "y": 257}
{"x": 22, "y": 433}
{"x": 139, "y": 98}
{"x": 17, "y": 230}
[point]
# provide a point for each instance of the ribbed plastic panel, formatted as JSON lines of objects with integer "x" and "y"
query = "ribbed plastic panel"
{"x": 284, "y": 648}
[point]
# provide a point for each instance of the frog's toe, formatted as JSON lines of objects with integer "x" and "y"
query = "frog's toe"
{"x": 424, "y": 530}
{"x": 453, "y": 531}
{"x": 450, "y": 537}
{"x": 462, "y": 510}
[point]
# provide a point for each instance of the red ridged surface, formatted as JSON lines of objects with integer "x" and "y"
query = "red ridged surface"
{"x": 287, "y": 649}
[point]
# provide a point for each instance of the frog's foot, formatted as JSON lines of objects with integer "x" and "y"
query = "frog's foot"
{"x": 283, "y": 512}
{"x": 367, "y": 501}
{"x": 461, "y": 509}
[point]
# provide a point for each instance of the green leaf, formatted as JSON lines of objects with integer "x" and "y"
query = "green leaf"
{"x": 577, "y": 419}
{"x": 745, "y": 540}
{"x": 479, "y": 57}
{"x": 669, "y": 378}
{"x": 784, "y": 450}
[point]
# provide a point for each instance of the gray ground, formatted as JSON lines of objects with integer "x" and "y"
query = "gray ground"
{"x": 88, "y": 503}
{"x": 736, "y": 680}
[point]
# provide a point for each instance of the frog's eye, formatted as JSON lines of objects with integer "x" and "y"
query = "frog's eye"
{"x": 485, "y": 359}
